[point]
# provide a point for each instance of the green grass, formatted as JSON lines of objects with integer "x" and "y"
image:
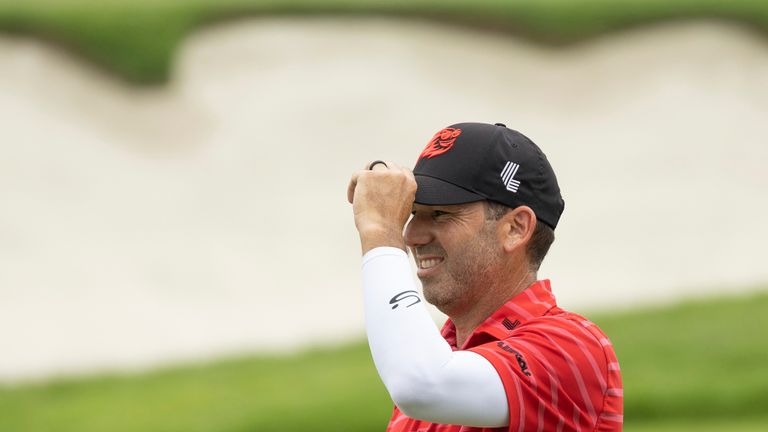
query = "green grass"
{"x": 697, "y": 360}
{"x": 137, "y": 39}
{"x": 337, "y": 389}
{"x": 694, "y": 366}
{"x": 725, "y": 424}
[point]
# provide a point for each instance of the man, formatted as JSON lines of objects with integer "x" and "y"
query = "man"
{"x": 484, "y": 203}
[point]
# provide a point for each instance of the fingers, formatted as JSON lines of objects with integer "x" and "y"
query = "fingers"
{"x": 376, "y": 166}
{"x": 382, "y": 199}
{"x": 384, "y": 165}
{"x": 352, "y": 185}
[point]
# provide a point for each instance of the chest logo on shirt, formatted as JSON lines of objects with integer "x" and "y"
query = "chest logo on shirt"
{"x": 413, "y": 295}
{"x": 510, "y": 325}
{"x": 519, "y": 357}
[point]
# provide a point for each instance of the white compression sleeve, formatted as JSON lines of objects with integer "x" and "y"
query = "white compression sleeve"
{"x": 424, "y": 377}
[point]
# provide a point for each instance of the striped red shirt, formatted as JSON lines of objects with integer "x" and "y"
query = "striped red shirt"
{"x": 559, "y": 370}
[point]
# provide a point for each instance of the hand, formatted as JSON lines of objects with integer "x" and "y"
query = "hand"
{"x": 382, "y": 200}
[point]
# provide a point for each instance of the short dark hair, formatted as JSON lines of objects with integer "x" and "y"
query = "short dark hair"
{"x": 542, "y": 238}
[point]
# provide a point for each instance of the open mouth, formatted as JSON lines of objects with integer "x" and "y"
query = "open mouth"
{"x": 428, "y": 263}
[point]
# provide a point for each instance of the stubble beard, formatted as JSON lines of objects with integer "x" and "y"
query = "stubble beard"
{"x": 466, "y": 277}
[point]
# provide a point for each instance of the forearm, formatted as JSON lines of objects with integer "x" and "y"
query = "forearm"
{"x": 426, "y": 379}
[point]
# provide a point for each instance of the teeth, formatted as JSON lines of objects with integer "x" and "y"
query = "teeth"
{"x": 429, "y": 263}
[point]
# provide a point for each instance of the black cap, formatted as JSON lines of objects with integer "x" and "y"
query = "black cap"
{"x": 469, "y": 162}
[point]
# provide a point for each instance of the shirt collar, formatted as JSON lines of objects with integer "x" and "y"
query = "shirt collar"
{"x": 533, "y": 302}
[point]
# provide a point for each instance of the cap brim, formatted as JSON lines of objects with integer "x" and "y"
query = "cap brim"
{"x": 433, "y": 191}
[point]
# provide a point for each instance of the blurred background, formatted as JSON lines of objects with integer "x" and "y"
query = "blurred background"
{"x": 177, "y": 252}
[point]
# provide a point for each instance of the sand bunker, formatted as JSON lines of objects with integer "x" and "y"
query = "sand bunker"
{"x": 139, "y": 227}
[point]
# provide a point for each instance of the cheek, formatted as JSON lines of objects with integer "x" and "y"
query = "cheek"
{"x": 479, "y": 251}
{"x": 464, "y": 257}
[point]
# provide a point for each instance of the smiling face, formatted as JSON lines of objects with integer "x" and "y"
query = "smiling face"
{"x": 457, "y": 251}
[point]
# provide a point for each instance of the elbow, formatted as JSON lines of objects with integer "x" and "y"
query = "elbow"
{"x": 415, "y": 394}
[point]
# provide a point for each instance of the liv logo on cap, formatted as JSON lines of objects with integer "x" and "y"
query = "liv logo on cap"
{"x": 508, "y": 175}
{"x": 440, "y": 143}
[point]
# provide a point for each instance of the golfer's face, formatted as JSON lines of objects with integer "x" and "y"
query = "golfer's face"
{"x": 452, "y": 245}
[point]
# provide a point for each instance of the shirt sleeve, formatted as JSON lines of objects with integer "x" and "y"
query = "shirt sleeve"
{"x": 554, "y": 375}
{"x": 425, "y": 378}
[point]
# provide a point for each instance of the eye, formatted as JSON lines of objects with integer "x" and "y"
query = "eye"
{"x": 438, "y": 213}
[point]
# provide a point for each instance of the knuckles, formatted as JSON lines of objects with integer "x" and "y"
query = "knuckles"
{"x": 395, "y": 181}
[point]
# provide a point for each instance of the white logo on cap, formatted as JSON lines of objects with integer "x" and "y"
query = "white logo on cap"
{"x": 508, "y": 175}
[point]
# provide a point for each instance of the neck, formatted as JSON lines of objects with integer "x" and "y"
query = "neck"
{"x": 491, "y": 300}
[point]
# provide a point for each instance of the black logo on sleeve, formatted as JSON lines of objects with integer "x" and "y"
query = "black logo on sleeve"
{"x": 413, "y": 295}
{"x": 520, "y": 360}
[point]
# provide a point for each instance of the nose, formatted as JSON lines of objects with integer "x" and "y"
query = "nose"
{"x": 417, "y": 232}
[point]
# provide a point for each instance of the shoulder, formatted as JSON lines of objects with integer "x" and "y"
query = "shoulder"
{"x": 560, "y": 360}
{"x": 562, "y": 346}
{"x": 569, "y": 334}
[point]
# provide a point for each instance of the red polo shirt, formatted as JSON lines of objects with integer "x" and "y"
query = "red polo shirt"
{"x": 559, "y": 370}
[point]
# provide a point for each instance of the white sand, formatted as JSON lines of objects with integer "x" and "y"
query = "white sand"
{"x": 140, "y": 227}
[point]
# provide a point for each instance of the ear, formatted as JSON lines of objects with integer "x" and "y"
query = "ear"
{"x": 516, "y": 228}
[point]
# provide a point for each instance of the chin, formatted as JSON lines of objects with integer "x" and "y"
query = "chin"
{"x": 435, "y": 298}
{"x": 429, "y": 295}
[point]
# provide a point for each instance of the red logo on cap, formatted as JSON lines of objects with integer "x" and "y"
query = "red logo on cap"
{"x": 440, "y": 143}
